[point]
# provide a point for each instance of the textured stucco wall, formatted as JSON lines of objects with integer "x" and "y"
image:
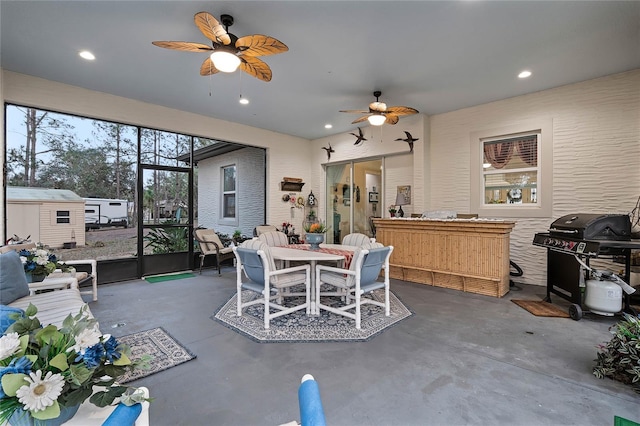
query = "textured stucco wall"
{"x": 250, "y": 195}
{"x": 596, "y": 154}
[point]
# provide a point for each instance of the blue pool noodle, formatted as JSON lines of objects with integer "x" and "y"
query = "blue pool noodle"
{"x": 123, "y": 415}
{"x": 311, "y": 411}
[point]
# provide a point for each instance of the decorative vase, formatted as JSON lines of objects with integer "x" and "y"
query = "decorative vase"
{"x": 21, "y": 417}
{"x": 315, "y": 240}
{"x": 35, "y": 278}
{"x": 393, "y": 214}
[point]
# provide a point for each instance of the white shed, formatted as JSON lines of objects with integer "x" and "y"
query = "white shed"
{"x": 51, "y": 216}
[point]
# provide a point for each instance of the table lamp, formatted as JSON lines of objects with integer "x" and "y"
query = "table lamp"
{"x": 401, "y": 200}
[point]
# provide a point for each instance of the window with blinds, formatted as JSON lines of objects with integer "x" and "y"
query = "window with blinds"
{"x": 510, "y": 172}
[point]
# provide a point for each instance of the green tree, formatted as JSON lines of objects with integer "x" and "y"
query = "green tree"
{"x": 116, "y": 141}
{"x": 44, "y": 133}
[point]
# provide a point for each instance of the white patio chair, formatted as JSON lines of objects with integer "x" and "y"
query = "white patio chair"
{"x": 274, "y": 238}
{"x": 261, "y": 229}
{"x": 351, "y": 284}
{"x": 356, "y": 239}
{"x": 254, "y": 259}
{"x": 83, "y": 277}
{"x": 88, "y": 275}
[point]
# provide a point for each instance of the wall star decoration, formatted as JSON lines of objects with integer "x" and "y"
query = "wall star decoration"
{"x": 329, "y": 151}
{"x": 359, "y": 137}
{"x": 409, "y": 139}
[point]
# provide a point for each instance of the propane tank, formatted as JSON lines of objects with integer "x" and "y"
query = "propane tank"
{"x": 603, "y": 295}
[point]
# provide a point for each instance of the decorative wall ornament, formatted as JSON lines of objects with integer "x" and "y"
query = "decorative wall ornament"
{"x": 409, "y": 139}
{"x": 329, "y": 151}
{"x": 359, "y": 137}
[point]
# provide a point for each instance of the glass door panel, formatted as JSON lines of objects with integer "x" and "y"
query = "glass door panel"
{"x": 367, "y": 180}
{"x": 353, "y": 194}
{"x": 338, "y": 202}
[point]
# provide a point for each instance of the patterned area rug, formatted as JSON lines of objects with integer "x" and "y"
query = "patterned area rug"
{"x": 165, "y": 350}
{"x": 298, "y": 327}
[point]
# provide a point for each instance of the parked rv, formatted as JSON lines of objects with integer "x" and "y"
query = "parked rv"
{"x": 104, "y": 212}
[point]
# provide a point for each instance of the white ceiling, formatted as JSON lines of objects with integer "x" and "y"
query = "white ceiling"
{"x": 433, "y": 56}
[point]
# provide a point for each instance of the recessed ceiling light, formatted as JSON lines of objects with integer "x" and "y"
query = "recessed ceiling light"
{"x": 524, "y": 74}
{"x": 328, "y": 126}
{"x": 243, "y": 101}
{"x": 85, "y": 54}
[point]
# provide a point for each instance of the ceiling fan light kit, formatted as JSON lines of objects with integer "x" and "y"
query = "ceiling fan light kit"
{"x": 379, "y": 113}
{"x": 376, "y": 119}
{"x": 225, "y": 61}
{"x": 228, "y": 52}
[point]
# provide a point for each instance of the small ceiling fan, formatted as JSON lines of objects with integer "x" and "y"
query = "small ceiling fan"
{"x": 379, "y": 113}
{"x": 228, "y": 51}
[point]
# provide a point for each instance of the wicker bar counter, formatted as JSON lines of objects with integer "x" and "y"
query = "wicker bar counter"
{"x": 469, "y": 255}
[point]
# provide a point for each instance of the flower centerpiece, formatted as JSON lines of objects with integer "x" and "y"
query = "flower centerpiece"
{"x": 315, "y": 234}
{"x": 392, "y": 210}
{"x": 39, "y": 262}
{"x": 47, "y": 372}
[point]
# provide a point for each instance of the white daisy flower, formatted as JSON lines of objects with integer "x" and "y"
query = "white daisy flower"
{"x": 42, "y": 253}
{"x": 9, "y": 345}
{"x": 40, "y": 393}
{"x": 85, "y": 339}
{"x": 23, "y": 259}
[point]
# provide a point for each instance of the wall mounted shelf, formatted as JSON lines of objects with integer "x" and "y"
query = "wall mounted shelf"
{"x": 291, "y": 186}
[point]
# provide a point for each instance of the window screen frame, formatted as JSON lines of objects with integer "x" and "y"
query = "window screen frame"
{"x": 544, "y": 189}
{"x": 227, "y": 192}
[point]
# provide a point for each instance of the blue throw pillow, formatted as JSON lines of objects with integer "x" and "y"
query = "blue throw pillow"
{"x": 5, "y": 316}
{"x": 13, "y": 281}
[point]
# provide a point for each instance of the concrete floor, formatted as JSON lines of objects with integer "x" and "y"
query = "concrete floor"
{"x": 462, "y": 359}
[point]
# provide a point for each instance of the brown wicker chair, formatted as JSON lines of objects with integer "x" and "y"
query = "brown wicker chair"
{"x": 210, "y": 244}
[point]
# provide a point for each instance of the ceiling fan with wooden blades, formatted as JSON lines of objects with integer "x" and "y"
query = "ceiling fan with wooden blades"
{"x": 379, "y": 113}
{"x": 242, "y": 52}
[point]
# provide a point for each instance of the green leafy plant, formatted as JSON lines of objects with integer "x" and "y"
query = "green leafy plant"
{"x": 168, "y": 240}
{"x": 620, "y": 358}
{"x": 44, "y": 369}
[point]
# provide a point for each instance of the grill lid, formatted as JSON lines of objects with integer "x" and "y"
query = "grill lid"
{"x": 593, "y": 226}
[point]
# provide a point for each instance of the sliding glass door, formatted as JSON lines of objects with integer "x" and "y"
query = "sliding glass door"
{"x": 353, "y": 193}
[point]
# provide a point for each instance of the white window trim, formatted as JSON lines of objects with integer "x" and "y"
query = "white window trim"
{"x": 544, "y": 207}
{"x": 55, "y": 217}
{"x": 229, "y": 221}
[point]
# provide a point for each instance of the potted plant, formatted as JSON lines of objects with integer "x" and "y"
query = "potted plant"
{"x": 39, "y": 262}
{"x": 392, "y": 210}
{"x": 315, "y": 234}
{"x": 47, "y": 372}
{"x": 620, "y": 358}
